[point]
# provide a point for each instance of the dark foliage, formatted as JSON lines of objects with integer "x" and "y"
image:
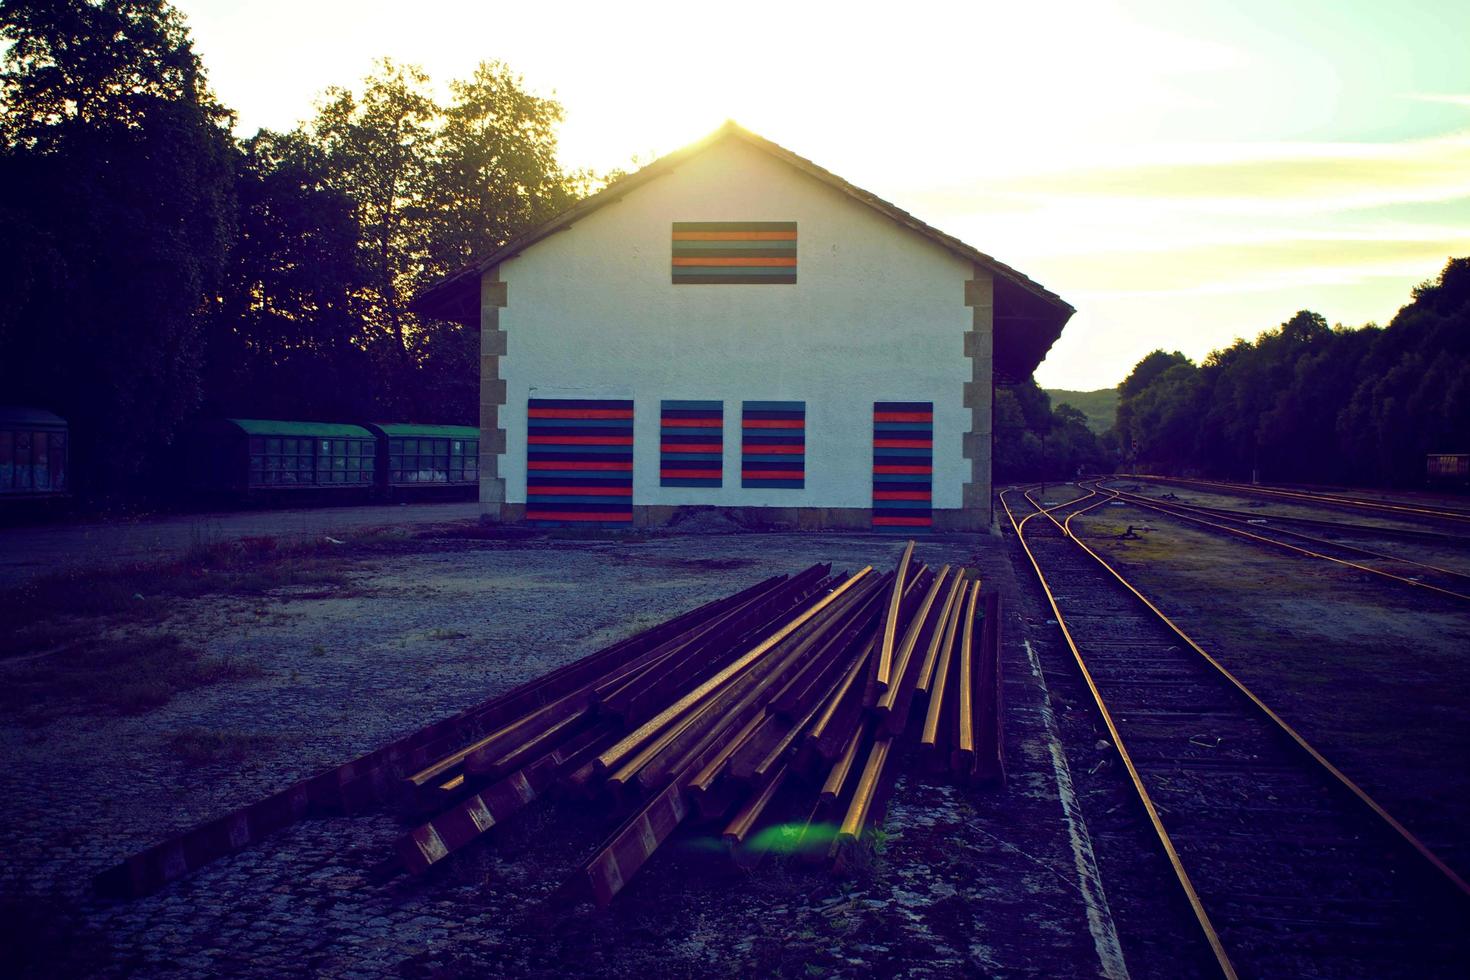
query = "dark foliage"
{"x": 1034, "y": 441}
{"x": 1310, "y": 403}
{"x": 116, "y": 198}
{"x": 155, "y": 269}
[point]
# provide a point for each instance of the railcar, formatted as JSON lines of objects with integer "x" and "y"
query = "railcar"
{"x": 270, "y": 457}
{"x": 426, "y": 460}
{"x": 34, "y": 446}
{"x": 1448, "y": 469}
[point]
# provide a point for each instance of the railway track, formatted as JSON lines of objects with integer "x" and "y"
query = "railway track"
{"x": 1438, "y": 536}
{"x": 1452, "y": 515}
{"x": 1398, "y": 568}
{"x": 1288, "y": 867}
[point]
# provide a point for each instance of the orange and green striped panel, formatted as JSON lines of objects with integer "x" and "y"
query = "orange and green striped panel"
{"x": 733, "y": 252}
{"x": 691, "y": 444}
{"x": 579, "y": 460}
{"x": 773, "y": 445}
{"x": 903, "y": 464}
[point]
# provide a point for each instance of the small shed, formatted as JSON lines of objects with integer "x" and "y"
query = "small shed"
{"x": 241, "y": 455}
{"x": 429, "y": 455}
{"x": 33, "y": 453}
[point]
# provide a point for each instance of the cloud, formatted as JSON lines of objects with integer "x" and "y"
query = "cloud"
{"x": 1231, "y": 179}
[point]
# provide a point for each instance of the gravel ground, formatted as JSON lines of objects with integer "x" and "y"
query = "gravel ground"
{"x": 992, "y": 882}
{"x": 48, "y": 549}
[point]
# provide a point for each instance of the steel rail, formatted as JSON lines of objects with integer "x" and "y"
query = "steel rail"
{"x": 1139, "y": 501}
{"x": 1245, "y": 519}
{"x": 1320, "y": 498}
{"x": 1278, "y": 519}
{"x": 1404, "y": 834}
{"x": 1202, "y": 917}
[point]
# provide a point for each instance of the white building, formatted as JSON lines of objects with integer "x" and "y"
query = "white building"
{"x": 733, "y": 326}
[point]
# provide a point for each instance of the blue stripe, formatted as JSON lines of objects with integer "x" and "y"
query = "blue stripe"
{"x": 572, "y": 425}
{"x": 624, "y": 477}
{"x": 623, "y": 501}
{"x": 686, "y": 481}
{"x": 693, "y": 457}
{"x": 902, "y": 427}
{"x": 588, "y": 403}
{"x": 715, "y": 408}
{"x": 753, "y": 484}
{"x": 549, "y": 452}
{"x": 773, "y": 271}
{"x": 773, "y": 406}
{"x": 706, "y": 435}
{"x": 901, "y": 505}
{"x": 903, "y": 406}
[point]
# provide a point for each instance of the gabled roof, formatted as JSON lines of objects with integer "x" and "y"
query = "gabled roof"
{"x": 1017, "y": 298}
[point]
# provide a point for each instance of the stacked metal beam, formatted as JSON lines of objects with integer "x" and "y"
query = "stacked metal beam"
{"x": 798, "y": 695}
{"x": 791, "y": 703}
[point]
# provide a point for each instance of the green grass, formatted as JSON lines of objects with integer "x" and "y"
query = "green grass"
{"x": 50, "y": 612}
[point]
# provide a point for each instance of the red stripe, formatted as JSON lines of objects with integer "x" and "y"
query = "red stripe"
{"x": 775, "y": 423}
{"x": 903, "y": 469}
{"x": 693, "y": 447}
{"x": 581, "y": 440}
{"x": 693, "y": 474}
{"x": 581, "y": 413}
{"x": 902, "y": 495}
{"x": 578, "y": 515}
{"x": 562, "y": 464}
{"x": 775, "y": 450}
{"x": 903, "y": 521}
{"x": 903, "y": 443}
{"x": 903, "y": 416}
{"x": 693, "y": 423}
{"x": 773, "y": 474}
{"x": 582, "y": 491}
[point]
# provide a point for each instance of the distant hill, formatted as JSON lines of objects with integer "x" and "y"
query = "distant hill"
{"x": 1100, "y": 407}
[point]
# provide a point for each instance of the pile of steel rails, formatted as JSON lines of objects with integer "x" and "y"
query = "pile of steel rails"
{"x": 791, "y": 703}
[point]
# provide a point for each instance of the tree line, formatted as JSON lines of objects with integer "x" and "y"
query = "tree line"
{"x": 1312, "y": 403}
{"x": 155, "y": 267}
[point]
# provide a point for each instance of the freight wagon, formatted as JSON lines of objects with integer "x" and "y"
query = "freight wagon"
{"x": 1448, "y": 469}
{"x": 33, "y": 454}
{"x": 271, "y": 459}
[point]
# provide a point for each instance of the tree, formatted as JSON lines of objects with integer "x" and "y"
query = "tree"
{"x": 285, "y": 340}
{"x": 116, "y": 183}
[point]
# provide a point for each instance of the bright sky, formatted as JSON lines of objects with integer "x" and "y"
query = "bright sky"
{"x": 1182, "y": 173}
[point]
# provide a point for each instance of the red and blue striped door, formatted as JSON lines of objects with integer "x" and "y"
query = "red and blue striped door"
{"x": 773, "y": 445}
{"x": 691, "y": 444}
{"x": 579, "y": 460}
{"x": 903, "y": 464}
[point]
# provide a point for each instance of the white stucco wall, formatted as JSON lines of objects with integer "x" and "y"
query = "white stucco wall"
{"x": 877, "y": 314}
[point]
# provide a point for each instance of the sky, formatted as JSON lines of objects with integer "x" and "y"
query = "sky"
{"x": 1182, "y": 173}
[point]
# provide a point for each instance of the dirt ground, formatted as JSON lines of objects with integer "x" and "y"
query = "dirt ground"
{"x": 296, "y": 665}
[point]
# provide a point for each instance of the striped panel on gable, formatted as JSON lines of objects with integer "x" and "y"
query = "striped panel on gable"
{"x": 903, "y": 464}
{"x": 691, "y": 444}
{"x": 579, "y": 460}
{"x": 773, "y": 445}
{"x": 734, "y": 252}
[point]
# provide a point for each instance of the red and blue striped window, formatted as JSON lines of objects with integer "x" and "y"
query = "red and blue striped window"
{"x": 773, "y": 445}
{"x": 579, "y": 460}
{"x": 691, "y": 444}
{"x": 903, "y": 464}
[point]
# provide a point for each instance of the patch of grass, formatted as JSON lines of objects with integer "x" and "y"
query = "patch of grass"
{"x": 200, "y": 746}
{"x": 126, "y": 676}
{"x": 50, "y": 611}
